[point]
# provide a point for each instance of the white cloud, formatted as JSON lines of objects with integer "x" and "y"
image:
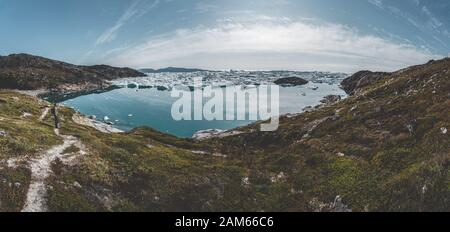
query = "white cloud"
{"x": 272, "y": 44}
{"x": 377, "y": 3}
{"x": 137, "y": 9}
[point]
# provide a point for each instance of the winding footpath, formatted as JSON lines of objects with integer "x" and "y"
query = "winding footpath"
{"x": 41, "y": 170}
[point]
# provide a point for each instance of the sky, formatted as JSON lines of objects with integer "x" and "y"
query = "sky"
{"x": 303, "y": 35}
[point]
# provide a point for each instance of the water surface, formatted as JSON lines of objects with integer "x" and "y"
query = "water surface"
{"x": 129, "y": 108}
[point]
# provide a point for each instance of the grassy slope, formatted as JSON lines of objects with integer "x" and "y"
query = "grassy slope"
{"x": 386, "y": 167}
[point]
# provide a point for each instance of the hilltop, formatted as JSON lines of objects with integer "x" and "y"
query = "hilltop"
{"x": 385, "y": 148}
{"x": 28, "y": 72}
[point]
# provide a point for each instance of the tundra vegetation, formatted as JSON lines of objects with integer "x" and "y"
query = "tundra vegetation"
{"x": 386, "y": 148}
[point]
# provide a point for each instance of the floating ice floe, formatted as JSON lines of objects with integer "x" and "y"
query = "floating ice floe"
{"x": 167, "y": 81}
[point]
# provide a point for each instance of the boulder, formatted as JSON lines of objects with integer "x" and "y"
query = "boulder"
{"x": 331, "y": 99}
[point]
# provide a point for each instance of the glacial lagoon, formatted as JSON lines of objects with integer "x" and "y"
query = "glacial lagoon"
{"x": 128, "y": 108}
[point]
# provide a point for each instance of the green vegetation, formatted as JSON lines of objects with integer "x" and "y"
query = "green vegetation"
{"x": 381, "y": 150}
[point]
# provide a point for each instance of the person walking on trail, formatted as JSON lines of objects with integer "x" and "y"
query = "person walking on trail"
{"x": 55, "y": 115}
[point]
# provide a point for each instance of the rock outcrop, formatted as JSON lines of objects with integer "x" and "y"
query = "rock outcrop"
{"x": 331, "y": 99}
{"x": 27, "y": 72}
{"x": 361, "y": 79}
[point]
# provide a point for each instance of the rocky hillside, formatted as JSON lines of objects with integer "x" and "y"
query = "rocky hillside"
{"x": 27, "y": 72}
{"x": 361, "y": 79}
{"x": 386, "y": 148}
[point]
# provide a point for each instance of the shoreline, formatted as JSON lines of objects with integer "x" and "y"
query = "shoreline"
{"x": 74, "y": 91}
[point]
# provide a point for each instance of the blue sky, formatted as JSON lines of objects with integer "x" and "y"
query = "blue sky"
{"x": 326, "y": 35}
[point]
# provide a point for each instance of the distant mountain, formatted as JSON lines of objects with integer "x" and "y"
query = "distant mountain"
{"x": 170, "y": 70}
{"x": 28, "y": 72}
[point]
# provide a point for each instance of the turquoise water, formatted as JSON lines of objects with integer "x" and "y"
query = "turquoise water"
{"x": 130, "y": 108}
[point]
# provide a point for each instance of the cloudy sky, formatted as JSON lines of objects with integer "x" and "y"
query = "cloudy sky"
{"x": 325, "y": 35}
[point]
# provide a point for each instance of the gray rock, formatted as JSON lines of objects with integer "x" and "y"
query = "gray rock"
{"x": 361, "y": 79}
{"x": 205, "y": 134}
{"x": 76, "y": 184}
{"x": 2, "y": 133}
{"x": 331, "y": 99}
{"x": 308, "y": 109}
{"x": 339, "y": 207}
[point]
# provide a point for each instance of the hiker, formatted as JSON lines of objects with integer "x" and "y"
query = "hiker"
{"x": 55, "y": 115}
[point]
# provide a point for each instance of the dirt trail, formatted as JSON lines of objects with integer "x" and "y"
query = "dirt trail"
{"x": 41, "y": 170}
{"x": 44, "y": 113}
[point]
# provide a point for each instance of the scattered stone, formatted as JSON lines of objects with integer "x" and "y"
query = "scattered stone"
{"x": 308, "y": 109}
{"x": 93, "y": 117}
{"x": 444, "y": 130}
{"x": 336, "y": 206}
{"x": 424, "y": 189}
{"x": 204, "y": 134}
{"x": 2, "y": 133}
{"x": 76, "y": 185}
{"x": 340, "y": 154}
{"x": 216, "y": 154}
{"x": 340, "y": 207}
{"x": 12, "y": 163}
{"x": 214, "y": 133}
{"x": 246, "y": 181}
{"x": 412, "y": 126}
{"x": 331, "y": 99}
{"x": 290, "y": 115}
{"x": 279, "y": 178}
{"x": 17, "y": 185}
{"x": 353, "y": 108}
{"x": 26, "y": 115}
{"x": 200, "y": 152}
